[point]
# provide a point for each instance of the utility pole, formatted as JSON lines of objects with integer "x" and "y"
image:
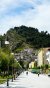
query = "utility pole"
{"x": 0, "y": 44}
{"x": 7, "y": 43}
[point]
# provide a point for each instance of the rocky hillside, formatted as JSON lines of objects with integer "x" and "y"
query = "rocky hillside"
{"x": 22, "y": 37}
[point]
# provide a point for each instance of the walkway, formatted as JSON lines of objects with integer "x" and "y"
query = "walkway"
{"x": 29, "y": 81}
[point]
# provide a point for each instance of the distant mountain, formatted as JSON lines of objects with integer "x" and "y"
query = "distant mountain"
{"x": 22, "y": 37}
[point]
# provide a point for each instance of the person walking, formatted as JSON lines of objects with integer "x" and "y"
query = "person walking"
{"x": 38, "y": 74}
{"x": 27, "y": 73}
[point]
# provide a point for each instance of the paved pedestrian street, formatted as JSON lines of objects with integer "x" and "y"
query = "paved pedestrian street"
{"x": 29, "y": 80}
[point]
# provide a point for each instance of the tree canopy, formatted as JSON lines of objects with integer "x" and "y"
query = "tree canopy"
{"x": 31, "y": 36}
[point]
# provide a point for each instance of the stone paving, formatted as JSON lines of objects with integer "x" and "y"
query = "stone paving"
{"x": 29, "y": 80}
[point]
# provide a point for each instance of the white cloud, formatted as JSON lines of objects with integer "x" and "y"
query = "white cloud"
{"x": 39, "y": 17}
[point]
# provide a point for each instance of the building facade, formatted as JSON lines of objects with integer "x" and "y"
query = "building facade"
{"x": 42, "y": 56}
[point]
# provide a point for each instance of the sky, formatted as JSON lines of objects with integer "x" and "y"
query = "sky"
{"x": 33, "y": 13}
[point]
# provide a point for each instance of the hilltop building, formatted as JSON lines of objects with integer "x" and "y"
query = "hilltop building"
{"x": 48, "y": 56}
{"x": 43, "y": 56}
{"x": 31, "y": 65}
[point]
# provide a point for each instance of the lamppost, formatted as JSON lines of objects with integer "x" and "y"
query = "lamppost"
{"x": 12, "y": 66}
{"x": 0, "y": 44}
{"x": 13, "y": 69}
{"x": 7, "y": 43}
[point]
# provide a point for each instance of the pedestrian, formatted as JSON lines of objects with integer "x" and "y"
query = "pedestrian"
{"x": 27, "y": 73}
{"x": 38, "y": 74}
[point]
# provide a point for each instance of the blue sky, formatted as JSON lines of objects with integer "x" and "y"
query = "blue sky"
{"x": 34, "y": 13}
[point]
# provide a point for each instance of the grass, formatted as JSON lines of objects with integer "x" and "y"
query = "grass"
{"x": 4, "y": 79}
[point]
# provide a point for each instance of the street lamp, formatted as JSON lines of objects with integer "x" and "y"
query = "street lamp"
{"x": 7, "y": 43}
{"x": 13, "y": 69}
{"x": 12, "y": 66}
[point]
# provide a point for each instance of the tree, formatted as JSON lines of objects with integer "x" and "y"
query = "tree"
{"x": 17, "y": 36}
{"x": 21, "y": 63}
{"x": 46, "y": 66}
{"x": 4, "y": 61}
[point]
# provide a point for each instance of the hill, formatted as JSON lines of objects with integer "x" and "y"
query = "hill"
{"x": 22, "y": 37}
